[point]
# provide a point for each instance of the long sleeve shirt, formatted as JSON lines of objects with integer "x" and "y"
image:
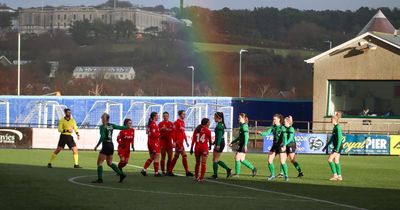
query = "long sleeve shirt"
{"x": 290, "y": 135}
{"x": 243, "y": 138}
{"x": 219, "y": 134}
{"x": 279, "y": 132}
{"x": 336, "y": 138}
{"x": 106, "y": 132}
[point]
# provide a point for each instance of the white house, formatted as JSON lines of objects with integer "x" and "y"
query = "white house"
{"x": 112, "y": 72}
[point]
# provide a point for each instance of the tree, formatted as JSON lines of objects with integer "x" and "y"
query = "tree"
{"x": 5, "y": 20}
{"x": 263, "y": 90}
{"x": 80, "y": 31}
{"x": 99, "y": 78}
{"x": 305, "y": 34}
{"x": 102, "y": 29}
{"x": 125, "y": 29}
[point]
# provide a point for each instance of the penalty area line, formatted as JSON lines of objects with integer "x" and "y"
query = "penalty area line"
{"x": 277, "y": 193}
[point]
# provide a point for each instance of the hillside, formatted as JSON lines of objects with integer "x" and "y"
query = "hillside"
{"x": 278, "y": 42}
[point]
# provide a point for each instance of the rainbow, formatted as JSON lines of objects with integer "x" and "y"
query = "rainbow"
{"x": 211, "y": 70}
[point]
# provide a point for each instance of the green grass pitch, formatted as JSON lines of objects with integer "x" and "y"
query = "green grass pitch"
{"x": 370, "y": 182}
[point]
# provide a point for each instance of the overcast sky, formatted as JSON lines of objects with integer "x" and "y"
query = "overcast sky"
{"x": 234, "y": 4}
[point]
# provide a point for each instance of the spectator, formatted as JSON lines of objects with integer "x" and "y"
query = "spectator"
{"x": 365, "y": 112}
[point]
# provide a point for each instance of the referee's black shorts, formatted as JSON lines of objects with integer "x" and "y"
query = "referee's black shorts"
{"x": 66, "y": 140}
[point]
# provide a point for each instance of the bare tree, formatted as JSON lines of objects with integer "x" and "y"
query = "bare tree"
{"x": 99, "y": 78}
{"x": 139, "y": 92}
{"x": 263, "y": 89}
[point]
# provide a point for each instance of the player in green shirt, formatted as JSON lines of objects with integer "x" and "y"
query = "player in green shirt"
{"x": 107, "y": 149}
{"x": 278, "y": 146}
{"x": 219, "y": 145}
{"x": 336, "y": 139}
{"x": 242, "y": 141}
{"x": 291, "y": 146}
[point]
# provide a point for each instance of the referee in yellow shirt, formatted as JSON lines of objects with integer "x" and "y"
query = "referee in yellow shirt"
{"x": 66, "y": 126}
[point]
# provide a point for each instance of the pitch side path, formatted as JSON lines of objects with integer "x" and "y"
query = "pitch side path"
{"x": 370, "y": 182}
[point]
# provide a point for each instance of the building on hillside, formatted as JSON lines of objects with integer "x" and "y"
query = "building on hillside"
{"x": 4, "y": 8}
{"x": 40, "y": 20}
{"x": 114, "y": 72}
{"x": 361, "y": 78}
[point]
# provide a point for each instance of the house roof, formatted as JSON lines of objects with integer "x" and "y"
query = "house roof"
{"x": 378, "y": 23}
{"x": 378, "y": 27}
{"x": 391, "y": 39}
{"x": 109, "y": 69}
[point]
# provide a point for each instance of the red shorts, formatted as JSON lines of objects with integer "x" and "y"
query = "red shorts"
{"x": 154, "y": 148}
{"x": 179, "y": 146}
{"x": 124, "y": 152}
{"x": 167, "y": 145}
{"x": 201, "y": 151}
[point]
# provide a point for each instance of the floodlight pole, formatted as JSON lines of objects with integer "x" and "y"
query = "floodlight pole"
{"x": 192, "y": 68}
{"x": 240, "y": 71}
{"x": 19, "y": 64}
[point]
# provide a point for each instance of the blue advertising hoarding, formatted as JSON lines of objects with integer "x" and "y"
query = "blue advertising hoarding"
{"x": 362, "y": 144}
{"x": 354, "y": 144}
{"x": 307, "y": 143}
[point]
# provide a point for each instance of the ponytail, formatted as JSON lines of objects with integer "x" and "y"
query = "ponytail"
{"x": 221, "y": 115}
{"x": 151, "y": 118}
{"x": 337, "y": 116}
{"x": 198, "y": 128}
{"x": 245, "y": 117}
{"x": 204, "y": 122}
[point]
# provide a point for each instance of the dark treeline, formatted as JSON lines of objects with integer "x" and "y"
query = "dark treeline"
{"x": 288, "y": 28}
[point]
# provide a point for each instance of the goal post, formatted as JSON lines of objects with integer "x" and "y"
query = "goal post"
{"x": 93, "y": 116}
{"x": 4, "y": 113}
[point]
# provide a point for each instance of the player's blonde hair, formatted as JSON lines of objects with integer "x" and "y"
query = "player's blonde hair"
{"x": 289, "y": 119}
{"x": 106, "y": 115}
{"x": 245, "y": 117}
{"x": 337, "y": 115}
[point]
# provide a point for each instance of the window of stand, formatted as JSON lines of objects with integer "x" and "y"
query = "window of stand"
{"x": 364, "y": 99}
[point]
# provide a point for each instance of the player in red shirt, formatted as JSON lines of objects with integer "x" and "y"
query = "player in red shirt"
{"x": 153, "y": 143}
{"x": 125, "y": 140}
{"x": 179, "y": 136}
{"x": 166, "y": 128}
{"x": 202, "y": 139}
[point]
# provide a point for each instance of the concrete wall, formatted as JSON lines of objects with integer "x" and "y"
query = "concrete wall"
{"x": 380, "y": 64}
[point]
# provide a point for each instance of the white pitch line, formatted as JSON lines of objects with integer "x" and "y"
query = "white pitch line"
{"x": 73, "y": 180}
{"x": 278, "y": 193}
